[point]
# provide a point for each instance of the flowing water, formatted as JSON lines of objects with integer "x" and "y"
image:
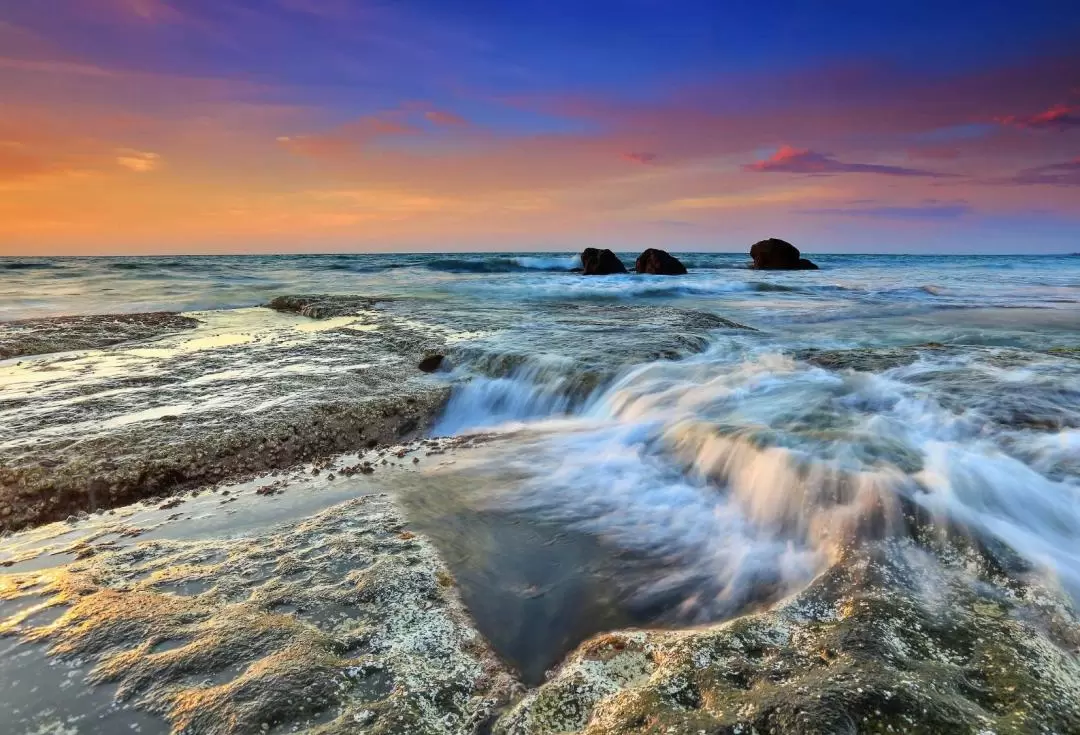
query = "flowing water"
{"x": 721, "y": 437}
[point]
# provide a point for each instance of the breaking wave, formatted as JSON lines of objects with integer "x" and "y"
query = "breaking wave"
{"x": 750, "y": 477}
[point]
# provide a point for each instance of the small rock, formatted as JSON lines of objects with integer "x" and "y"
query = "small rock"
{"x": 659, "y": 262}
{"x": 431, "y": 363}
{"x": 777, "y": 254}
{"x": 597, "y": 262}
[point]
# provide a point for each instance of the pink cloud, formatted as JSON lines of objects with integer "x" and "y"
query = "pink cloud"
{"x": 1060, "y": 117}
{"x": 639, "y": 157}
{"x": 789, "y": 159}
{"x": 442, "y": 117}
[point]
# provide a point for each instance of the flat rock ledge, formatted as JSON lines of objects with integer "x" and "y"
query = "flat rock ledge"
{"x": 65, "y": 333}
{"x": 259, "y": 405}
{"x": 345, "y": 622}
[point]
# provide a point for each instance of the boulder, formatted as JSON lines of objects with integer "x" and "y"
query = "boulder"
{"x": 597, "y": 262}
{"x": 660, "y": 263}
{"x": 431, "y": 363}
{"x": 776, "y": 254}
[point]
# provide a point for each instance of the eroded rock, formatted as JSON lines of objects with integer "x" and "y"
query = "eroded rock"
{"x": 596, "y": 262}
{"x": 777, "y": 254}
{"x": 659, "y": 262}
{"x": 886, "y": 641}
{"x": 62, "y": 334}
{"x": 246, "y": 392}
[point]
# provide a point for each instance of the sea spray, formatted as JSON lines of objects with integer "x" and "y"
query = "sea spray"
{"x": 749, "y": 476}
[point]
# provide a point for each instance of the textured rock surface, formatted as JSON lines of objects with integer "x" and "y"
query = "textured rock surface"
{"x": 61, "y": 334}
{"x": 885, "y": 641}
{"x": 247, "y": 391}
{"x": 595, "y": 262}
{"x": 776, "y": 254}
{"x": 659, "y": 262}
{"x": 343, "y": 622}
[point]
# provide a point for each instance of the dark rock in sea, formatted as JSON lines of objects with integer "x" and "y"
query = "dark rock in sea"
{"x": 660, "y": 263}
{"x": 597, "y": 262}
{"x": 431, "y": 363}
{"x": 776, "y": 254}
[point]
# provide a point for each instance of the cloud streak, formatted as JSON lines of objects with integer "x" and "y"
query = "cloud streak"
{"x": 1058, "y": 117}
{"x": 929, "y": 210}
{"x": 788, "y": 159}
{"x": 1054, "y": 174}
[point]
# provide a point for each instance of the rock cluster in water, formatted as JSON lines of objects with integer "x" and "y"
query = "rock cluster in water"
{"x": 770, "y": 254}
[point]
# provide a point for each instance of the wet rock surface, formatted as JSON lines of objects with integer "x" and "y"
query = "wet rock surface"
{"x": 882, "y": 642}
{"x": 596, "y": 262}
{"x": 776, "y": 254}
{"x": 342, "y": 622}
{"x": 61, "y": 334}
{"x": 322, "y": 306}
{"x": 659, "y": 262}
{"x": 249, "y": 390}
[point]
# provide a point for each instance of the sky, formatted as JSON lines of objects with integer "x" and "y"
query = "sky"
{"x": 215, "y": 126}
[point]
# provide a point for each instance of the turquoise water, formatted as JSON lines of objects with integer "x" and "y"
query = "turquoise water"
{"x": 741, "y": 453}
{"x": 33, "y": 287}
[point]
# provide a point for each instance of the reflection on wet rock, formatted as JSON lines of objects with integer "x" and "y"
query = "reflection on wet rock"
{"x": 341, "y": 618}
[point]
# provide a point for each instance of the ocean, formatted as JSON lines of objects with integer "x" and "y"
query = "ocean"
{"x": 685, "y": 449}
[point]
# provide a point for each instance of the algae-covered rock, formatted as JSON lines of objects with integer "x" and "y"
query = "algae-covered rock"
{"x": 340, "y": 623}
{"x": 248, "y": 390}
{"x": 65, "y": 333}
{"x": 885, "y": 641}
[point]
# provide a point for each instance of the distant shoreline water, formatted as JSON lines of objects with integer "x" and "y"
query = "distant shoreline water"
{"x": 71, "y": 285}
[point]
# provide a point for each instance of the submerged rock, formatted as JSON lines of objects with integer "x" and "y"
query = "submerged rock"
{"x": 886, "y": 641}
{"x": 62, "y": 334}
{"x": 596, "y": 262}
{"x": 776, "y": 254}
{"x": 659, "y": 262}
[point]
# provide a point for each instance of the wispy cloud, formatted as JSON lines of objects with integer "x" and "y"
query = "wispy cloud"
{"x": 789, "y": 159}
{"x": 1059, "y": 117}
{"x": 640, "y": 157}
{"x": 139, "y": 161}
{"x": 443, "y": 117}
{"x": 1054, "y": 174}
{"x": 929, "y": 209}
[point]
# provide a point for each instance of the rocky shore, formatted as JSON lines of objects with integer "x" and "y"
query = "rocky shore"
{"x": 238, "y": 394}
{"x": 237, "y": 522}
{"x": 242, "y": 392}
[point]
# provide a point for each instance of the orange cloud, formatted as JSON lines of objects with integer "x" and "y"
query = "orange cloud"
{"x": 16, "y": 163}
{"x": 139, "y": 161}
{"x": 640, "y": 157}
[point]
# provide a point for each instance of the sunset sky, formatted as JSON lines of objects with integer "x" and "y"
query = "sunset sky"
{"x": 154, "y": 126}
